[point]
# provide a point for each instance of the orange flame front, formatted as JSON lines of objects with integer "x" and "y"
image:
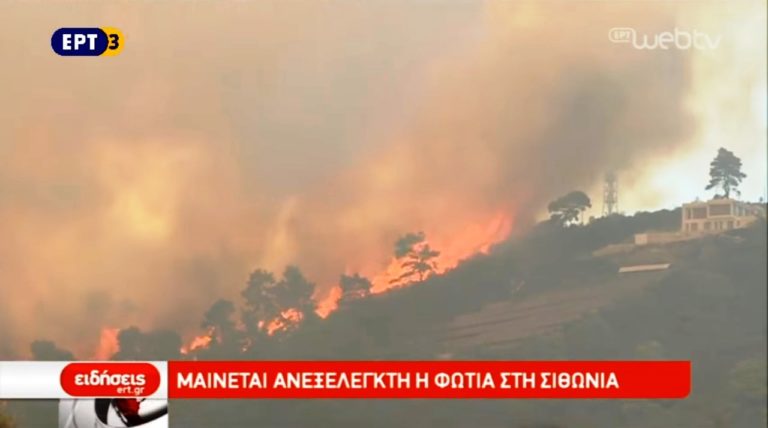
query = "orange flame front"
{"x": 108, "y": 344}
{"x": 288, "y": 317}
{"x": 198, "y": 342}
{"x": 476, "y": 238}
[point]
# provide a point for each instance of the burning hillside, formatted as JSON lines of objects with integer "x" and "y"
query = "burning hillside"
{"x": 314, "y": 139}
{"x": 472, "y": 240}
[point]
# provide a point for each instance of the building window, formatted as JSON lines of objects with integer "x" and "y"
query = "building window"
{"x": 730, "y": 224}
{"x": 694, "y": 227}
{"x": 720, "y": 209}
{"x": 707, "y": 225}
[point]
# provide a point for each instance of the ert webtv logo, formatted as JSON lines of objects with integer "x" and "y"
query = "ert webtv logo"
{"x": 104, "y": 41}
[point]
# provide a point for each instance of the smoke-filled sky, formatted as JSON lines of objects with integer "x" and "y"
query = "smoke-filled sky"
{"x": 138, "y": 189}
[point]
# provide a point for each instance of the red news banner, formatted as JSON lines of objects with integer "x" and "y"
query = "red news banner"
{"x": 429, "y": 379}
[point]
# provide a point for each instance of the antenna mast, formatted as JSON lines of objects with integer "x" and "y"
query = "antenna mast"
{"x": 610, "y": 194}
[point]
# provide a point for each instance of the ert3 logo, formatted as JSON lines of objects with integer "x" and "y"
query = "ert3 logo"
{"x": 105, "y": 41}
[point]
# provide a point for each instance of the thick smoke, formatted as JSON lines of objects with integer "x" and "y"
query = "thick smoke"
{"x": 136, "y": 190}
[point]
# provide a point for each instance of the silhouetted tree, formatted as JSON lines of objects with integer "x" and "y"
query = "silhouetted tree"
{"x": 416, "y": 256}
{"x": 725, "y": 172}
{"x": 295, "y": 292}
{"x": 45, "y": 350}
{"x": 277, "y": 305}
{"x": 261, "y": 301}
{"x": 568, "y": 208}
{"x": 219, "y": 322}
{"x": 354, "y": 287}
{"x": 133, "y": 344}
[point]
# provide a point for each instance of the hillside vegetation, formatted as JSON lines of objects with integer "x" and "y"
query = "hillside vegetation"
{"x": 544, "y": 296}
{"x": 709, "y": 308}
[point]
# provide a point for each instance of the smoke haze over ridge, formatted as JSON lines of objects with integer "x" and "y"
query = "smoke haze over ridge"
{"x": 139, "y": 189}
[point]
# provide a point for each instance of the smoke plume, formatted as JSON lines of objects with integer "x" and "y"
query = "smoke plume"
{"x": 138, "y": 189}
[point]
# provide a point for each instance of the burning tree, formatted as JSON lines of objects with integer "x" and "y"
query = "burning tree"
{"x": 295, "y": 292}
{"x": 260, "y": 301}
{"x": 219, "y": 321}
{"x": 725, "y": 172}
{"x": 416, "y": 256}
{"x": 354, "y": 287}
{"x": 568, "y": 208}
{"x": 272, "y": 305}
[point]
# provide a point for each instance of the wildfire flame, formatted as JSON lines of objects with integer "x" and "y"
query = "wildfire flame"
{"x": 288, "y": 316}
{"x": 198, "y": 342}
{"x": 475, "y": 238}
{"x": 108, "y": 344}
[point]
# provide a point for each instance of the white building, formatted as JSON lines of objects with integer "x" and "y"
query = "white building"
{"x": 718, "y": 215}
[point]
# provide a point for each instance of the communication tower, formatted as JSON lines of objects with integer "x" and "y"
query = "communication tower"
{"x": 610, "y": 194}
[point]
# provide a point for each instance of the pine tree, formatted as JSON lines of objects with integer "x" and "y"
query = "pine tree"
{"x": 725, "y": 172}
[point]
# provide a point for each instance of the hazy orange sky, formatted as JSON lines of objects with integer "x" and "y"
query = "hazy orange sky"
{"x": 231, "y": 135}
